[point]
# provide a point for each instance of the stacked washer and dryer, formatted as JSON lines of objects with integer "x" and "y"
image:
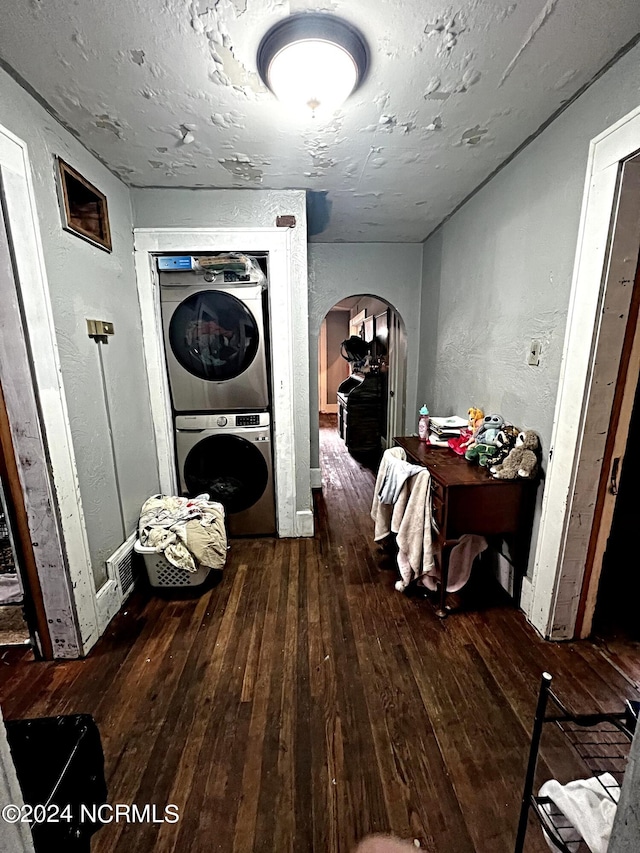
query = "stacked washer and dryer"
{"x": 217, "y": 354}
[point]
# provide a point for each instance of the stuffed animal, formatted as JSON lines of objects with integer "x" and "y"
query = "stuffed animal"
{"x": 481, "y": 453}
{"x": 460, "y": 444}
{"x": 522, "y": 461}
{"x": 505, "y": 443}
{"x": 475, "y": 416}
{"x": 491, "y": 426}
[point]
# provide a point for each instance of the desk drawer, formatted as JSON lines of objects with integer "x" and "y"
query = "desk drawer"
{"x": 437, "y": 491}
{"x": 437, "y": 510}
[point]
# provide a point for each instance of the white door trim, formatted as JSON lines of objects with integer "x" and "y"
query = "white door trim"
{"x": 72, "y": 583}
{"x": 148, "y": 241}
{"x": 558, "y": 570}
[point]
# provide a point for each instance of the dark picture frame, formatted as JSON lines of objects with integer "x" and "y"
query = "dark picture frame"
{"x": 83, "y": 207}
{"x": 382, "y": 335}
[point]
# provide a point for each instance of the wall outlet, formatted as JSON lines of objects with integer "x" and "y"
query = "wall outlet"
{"x": 533, "y": 357}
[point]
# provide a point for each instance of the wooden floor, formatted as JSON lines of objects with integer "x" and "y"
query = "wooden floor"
{"x": 304, "y": 703}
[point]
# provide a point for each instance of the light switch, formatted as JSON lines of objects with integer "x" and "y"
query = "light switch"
{"x": 99, "y": 328}
{"x": 534, "y": 353}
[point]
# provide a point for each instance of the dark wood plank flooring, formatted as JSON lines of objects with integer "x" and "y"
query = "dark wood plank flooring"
{"x": 304, "y": 703}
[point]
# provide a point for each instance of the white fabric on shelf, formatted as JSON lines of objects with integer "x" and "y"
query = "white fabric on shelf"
{"x": 588, "y": 808}
{"x": 10, "y": 591}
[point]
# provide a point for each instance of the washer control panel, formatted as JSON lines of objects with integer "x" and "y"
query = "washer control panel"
{"x": 246, "y": 420}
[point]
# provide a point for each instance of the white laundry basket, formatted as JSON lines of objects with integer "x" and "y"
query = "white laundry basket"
{"x": 163, "y": 574}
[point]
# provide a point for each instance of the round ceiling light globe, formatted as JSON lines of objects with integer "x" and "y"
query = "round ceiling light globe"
{"x": 313, "y": 61}
{"x": 314, "y": 74}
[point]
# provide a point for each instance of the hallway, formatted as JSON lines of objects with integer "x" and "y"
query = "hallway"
{"x": 304, "y": 703}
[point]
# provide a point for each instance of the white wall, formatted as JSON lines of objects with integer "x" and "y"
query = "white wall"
{"x": 391, "y": 271}
{"x": 86, "y": 282}
{"x": 202, "y": 208}
{"x": 498, "y": 274}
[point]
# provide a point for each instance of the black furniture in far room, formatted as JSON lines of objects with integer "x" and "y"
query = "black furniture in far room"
{"x": 362, "y": 412}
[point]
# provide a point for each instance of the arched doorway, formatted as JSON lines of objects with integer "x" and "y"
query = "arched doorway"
{"x": 375, "y": 321}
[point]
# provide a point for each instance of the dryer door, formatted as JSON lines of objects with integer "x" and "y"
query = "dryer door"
{"x": 231, "y": 469}
{"x": 213, "y": 335}
{"x": 215, "y": 348}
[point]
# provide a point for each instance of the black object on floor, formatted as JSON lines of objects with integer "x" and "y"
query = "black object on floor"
{"x": 59, "y": 762}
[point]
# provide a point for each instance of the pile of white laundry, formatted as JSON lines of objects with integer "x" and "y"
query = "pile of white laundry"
{"x": 589, "y": 806}
{"x": 190, "y": 532}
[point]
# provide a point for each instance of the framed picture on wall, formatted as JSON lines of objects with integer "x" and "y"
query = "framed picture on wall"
{"x": 83, "y": 207}
{"x": 382, "y": 335}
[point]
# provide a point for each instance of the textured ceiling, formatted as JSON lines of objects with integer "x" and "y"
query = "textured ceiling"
{"x": 166, "y": 93}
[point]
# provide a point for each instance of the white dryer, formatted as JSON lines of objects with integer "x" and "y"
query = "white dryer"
{"x": 230, "y": 456}
{"x": 215, "y": 343}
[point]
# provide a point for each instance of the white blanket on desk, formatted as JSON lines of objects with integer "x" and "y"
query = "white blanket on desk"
{"x": 397, "y": 473}
{"x": 384, "y": 514}
{"x": 409, "y": 518}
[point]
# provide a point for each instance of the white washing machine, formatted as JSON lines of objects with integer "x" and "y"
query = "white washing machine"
{"x": 215, "y": 343}
{"x": 230, "y": 456}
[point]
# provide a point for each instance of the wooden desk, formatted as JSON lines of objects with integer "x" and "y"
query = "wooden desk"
{"x": 465, "y": 498}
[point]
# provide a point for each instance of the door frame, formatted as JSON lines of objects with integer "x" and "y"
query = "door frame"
{"x": 44, "y": 451}
{"x": 397, "y": 379}
{"x": 13, "y": 505}
{"x": 611, "y": 471}
{"x": 583, "y": 409}
{"x": 291, "y": 477}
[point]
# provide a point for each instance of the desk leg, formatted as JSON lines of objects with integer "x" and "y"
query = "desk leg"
{"x": 444, "y": 581}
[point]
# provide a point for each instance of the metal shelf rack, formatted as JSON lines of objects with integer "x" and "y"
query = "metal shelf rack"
{"x": 601, "y": 741}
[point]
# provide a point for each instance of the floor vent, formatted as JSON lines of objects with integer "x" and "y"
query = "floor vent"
{"x": 120, "y": 566}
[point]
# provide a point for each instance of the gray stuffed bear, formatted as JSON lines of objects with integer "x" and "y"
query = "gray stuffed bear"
{"x": 522, "y": 461}
{"x": 489, "y": 429}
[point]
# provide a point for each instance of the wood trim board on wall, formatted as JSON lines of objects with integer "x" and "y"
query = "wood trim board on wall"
{"x": 562, "y": 543}
{"x": 62, "y": 555}
{"x": 616, "y": 443}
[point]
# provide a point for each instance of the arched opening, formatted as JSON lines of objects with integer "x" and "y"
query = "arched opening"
{"x": 363, "y": 395}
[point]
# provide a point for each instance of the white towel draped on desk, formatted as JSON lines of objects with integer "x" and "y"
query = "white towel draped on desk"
{"x": 396, "y": 475}
{"x": 409, "y": 518}
{"x": 381, "y": 513}
{"x": 461, "y": 560}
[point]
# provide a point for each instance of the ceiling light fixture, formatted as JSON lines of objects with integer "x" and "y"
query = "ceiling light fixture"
{"x": 313, "y": 60}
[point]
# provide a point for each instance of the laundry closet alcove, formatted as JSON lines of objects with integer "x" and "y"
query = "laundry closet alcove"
{"x": 287, "y": 300}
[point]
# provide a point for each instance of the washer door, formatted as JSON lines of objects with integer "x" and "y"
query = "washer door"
{"x": 231, "y": 469}
{"x": 213, "y": 335}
